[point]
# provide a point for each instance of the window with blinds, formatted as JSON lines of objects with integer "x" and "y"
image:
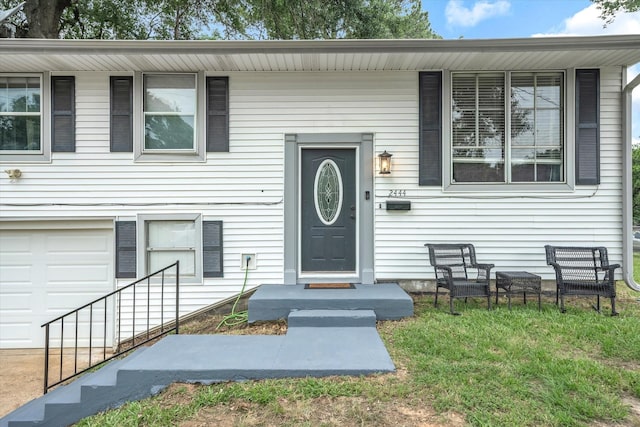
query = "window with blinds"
{"x": 537, "y": 127}
{"x": 478, "y": 127}
{"x": 496, "y": 139}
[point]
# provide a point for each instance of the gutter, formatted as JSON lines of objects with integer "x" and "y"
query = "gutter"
{"x": 344, "y": 46}
{"x": 627, "y": 186}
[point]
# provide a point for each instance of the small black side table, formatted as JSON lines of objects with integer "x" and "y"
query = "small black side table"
{"x": 518, "y": 281}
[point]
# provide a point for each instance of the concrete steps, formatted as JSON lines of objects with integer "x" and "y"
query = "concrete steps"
{"x": 331, "y": 334}
{"x": 331, "y": 318}
{"x": 87, "y": 395}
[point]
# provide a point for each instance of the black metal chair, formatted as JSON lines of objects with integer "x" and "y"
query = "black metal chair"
{"x": 457, "y": 270}
{"x": 583, "y": 271}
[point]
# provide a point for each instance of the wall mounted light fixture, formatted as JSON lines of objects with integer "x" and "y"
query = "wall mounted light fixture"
{"x": 13, "y": 173}
{"x": 384, "y": 163}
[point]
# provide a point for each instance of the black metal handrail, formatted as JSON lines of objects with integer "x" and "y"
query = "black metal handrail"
{"x": 85, "y": 317}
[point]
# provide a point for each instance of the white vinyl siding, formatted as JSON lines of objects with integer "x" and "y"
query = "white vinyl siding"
{"x": 508, "y": 228}
{"x": 244, "y": 187}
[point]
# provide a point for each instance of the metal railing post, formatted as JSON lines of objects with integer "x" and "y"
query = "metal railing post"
{"x": 162, "y": 304}
{"x": 178, "y": 297}
{"x": 90, "y": 332}
{"x": 61, "y": 344}
{"x": 46, "y": 359}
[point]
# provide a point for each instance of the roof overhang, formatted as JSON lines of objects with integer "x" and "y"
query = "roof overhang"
{"x": 30, "y": 55}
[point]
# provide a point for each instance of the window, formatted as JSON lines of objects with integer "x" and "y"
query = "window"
{"x": 20, "y": 114}
{"x": 168, "y": 241}
{"x": 519, "y": 139}
{"x": 169, "y": 109}
{"x": 165, "y": 117}
{"x": 536, "y": 127}
{"x": 156, "y": 241}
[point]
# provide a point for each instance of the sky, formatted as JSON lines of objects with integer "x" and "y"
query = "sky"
{"x": 485, "y": 19}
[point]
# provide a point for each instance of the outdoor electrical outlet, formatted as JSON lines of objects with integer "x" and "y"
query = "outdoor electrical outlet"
{"x": 252, "y": 261}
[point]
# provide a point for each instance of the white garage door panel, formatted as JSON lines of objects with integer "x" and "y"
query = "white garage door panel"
{"x": 80, "y": 244}
{"x": 58, "y": 303}
{"x": 16, "y": 334}
{"x": 15, "y": 244}
{"x": 15, "y": 303}
{"x": 47, "y": 273}
{"x": 76, "y": 275}
{"x": 14, "y": 275}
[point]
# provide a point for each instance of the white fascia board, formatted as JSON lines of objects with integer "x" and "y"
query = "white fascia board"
{"x": 212, "y": 47}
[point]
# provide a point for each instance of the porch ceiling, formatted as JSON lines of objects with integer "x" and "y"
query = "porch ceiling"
{"x": 29, "y": 55}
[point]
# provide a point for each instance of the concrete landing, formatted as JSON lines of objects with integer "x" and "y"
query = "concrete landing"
{"x": 387, "y": 300}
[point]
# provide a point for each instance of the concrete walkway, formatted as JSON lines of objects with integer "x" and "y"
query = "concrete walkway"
{"x": 313, "y": 346}
{"x": 330, "y": 332}
{"x": 299, "y": 353}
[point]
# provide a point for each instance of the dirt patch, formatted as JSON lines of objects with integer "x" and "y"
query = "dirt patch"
{"x": 22, "y": 373}
{"x": 634, "y": 405}
{"x": 209, "y": 323}
{"x": 20, "y": 378}
{"x": 632, "y": 420}
{"x": 326, "y": 411}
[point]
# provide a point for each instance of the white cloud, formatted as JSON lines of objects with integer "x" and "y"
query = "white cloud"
{"x": 458, "y": 14}
{"x": 587, "y": 22}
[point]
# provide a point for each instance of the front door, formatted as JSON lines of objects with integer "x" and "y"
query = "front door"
{"x": 328, "y": 210}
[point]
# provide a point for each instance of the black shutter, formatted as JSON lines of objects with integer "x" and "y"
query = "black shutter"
{"x": 212, "y": 249}
{"x": 217, "y": 114}
{"x": 587, "y": 127}
{"x": 125, "y": 249}
{"x": 430, "y": 144}
{"x": 121, "y": 114}
{"x": 63, "y": 121}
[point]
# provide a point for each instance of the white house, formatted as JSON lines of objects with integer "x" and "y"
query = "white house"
{"x": 118, "y": 157}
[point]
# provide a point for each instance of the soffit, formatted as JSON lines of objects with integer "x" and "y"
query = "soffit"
{"x": 28, "y": 55}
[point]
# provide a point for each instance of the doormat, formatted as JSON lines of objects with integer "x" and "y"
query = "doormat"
{"x": 329, "y": 286}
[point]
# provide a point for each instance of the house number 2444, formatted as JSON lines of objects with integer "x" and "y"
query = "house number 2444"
{"x": 397, "y": 193}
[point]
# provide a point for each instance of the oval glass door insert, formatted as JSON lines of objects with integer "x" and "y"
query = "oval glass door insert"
{"x": 328, "y": 192}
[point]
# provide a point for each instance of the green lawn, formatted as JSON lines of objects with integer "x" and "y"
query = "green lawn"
{"x": 483, "y": 368}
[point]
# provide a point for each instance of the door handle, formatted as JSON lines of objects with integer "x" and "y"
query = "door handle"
{"x": 353, "y": 212}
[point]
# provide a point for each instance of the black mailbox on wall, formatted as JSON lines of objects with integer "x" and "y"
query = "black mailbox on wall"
{"x": 398, "y": 205}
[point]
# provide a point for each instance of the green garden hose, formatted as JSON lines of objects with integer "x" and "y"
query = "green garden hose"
{"x": 237, "y": 318}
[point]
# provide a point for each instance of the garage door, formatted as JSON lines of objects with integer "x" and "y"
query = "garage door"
{"x": 46, "y": 273}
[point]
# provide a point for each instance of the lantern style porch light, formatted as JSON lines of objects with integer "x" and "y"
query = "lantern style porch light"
{"x": 384, "y": 163}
